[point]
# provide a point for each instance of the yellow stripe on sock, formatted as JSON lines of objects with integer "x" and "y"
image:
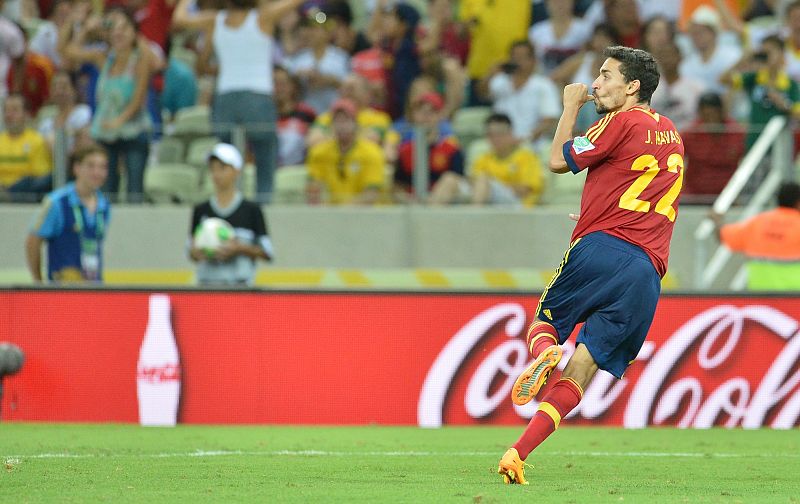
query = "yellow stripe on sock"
{"x": 580, "y": 389}
{"x": 538, "y": 337}
{"x": 553, "y": 413}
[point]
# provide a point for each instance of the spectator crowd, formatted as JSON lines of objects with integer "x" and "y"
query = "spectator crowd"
{"x": 343, "y": 91}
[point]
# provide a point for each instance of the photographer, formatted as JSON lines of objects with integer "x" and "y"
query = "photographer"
{"x": 531, "y": 101}
{"x": 762, "y": 76}
{"x": 120, "y": 122}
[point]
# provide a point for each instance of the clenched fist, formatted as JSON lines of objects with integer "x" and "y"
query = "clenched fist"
{"x": 576, "y": 94}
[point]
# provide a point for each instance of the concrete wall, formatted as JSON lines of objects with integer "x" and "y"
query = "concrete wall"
{"x": 154, "y": 237}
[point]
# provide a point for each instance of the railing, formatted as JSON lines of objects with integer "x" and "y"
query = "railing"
{"x": 238, "y": 137}
{"x": 775, "y": 136}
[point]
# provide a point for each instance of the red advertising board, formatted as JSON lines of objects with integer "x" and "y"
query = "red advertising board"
{"x": 424, "y": 359}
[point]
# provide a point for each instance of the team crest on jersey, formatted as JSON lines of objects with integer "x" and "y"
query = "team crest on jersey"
{"x": 581, "y": 144}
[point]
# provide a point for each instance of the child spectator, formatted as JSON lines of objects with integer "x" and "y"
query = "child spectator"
{"x": 235, "y": 262}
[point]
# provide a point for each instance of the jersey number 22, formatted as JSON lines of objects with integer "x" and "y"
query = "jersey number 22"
{"x": 649, "y": 164}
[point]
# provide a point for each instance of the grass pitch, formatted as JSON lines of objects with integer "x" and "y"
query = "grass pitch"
{"x": 124, "y": 463}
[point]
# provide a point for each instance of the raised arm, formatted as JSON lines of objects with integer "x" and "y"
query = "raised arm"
{"x": 272, "y": 11}
{"x": 71, "y": 44}
{"x": 182, "y": 19}
{"x": 575, "y": 95}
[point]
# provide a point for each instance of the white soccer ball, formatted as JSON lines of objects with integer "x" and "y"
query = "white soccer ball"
{"x": 212, "y": 233}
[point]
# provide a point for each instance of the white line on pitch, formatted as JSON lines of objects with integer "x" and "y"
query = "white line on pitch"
{"x": 320, "y": 453}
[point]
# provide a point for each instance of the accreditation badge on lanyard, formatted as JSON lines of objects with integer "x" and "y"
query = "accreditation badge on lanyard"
{"x": 90, "y": 246}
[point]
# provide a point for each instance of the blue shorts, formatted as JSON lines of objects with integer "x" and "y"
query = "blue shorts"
{"x": 613, "y": 287}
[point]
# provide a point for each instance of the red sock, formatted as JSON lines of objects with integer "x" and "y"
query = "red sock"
{"x": 562, "y": 398}
{"x": 540, "y": 336}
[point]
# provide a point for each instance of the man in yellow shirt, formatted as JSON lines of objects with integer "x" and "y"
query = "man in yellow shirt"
{"x": 25, "y": 160}
{"x": 347, "y": 168}
{"x": 510, "y": 173}
{"x": 373, "y": 124}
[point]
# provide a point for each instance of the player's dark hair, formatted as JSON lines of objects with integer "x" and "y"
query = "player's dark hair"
{"x": 636, "y": 64}
{"x": 498, "y": 117}
{"x": 789, "y": 195}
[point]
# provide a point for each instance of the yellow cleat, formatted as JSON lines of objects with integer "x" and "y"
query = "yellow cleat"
{"x": 512, "y": 468}
{"x": 535, "y": 376}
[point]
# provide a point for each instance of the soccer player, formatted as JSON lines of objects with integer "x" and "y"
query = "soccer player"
{"x": 610, "y": 275}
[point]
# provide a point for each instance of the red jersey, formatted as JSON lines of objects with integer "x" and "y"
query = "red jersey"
{"x": 635, "y": 162}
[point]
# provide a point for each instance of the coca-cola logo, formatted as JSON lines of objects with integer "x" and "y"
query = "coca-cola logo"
{"x": 159, "y": 374}
{"x": 700, "y": 375}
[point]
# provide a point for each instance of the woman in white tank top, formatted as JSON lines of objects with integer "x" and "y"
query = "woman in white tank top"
{"x": 242, "y": 37}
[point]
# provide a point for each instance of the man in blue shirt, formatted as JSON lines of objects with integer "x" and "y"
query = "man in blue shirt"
{"x": 73, "y": 220}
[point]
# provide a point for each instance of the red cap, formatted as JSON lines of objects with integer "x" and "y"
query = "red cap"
{"x": 344, "y": 105}
{"x": 432, "y": 99}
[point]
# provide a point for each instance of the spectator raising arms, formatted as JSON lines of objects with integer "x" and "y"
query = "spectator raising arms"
{"x": 121, "y": 122}
{"x": 243, "y": 40}
{"x": 771, "y": 91}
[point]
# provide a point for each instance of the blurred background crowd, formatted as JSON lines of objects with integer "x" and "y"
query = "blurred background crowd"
{"x": 339, "y": 102}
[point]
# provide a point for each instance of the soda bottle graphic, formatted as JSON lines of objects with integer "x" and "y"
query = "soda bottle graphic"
{"x": 158, "y": 373}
